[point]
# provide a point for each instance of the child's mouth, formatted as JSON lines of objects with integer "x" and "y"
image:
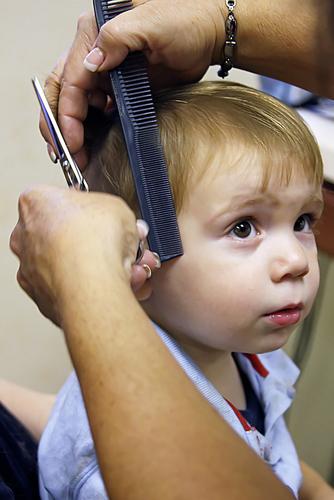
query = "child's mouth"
{"x": 289, "y": 315}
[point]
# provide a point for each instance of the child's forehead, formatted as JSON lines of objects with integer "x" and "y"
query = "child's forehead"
{"x": 262, "y": 171}
{"x": 233, "y": 187}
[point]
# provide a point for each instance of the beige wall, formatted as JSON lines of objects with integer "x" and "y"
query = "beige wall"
{"x": 33, "y": 35}
{"x": 32, "y": 350}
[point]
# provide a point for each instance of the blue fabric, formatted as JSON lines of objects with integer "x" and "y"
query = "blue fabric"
{"x": 67, "y": 461}
{"x": 18, "y": 460}
{"x": 297, "y": 97}
{"x": 294, "y": 96}
{"x": 253, "y": 413}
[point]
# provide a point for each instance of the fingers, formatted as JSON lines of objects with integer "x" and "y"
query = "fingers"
{"x": 179, "y": 47}
{"x": 134, "y": 30}
{"x": 144, "y": 291}
{"x": 142, "y": 228}
{"x": 89, "y": 51}
{"x": 67, "y": 89}
{"x": 51, "y": 153}
{"x": 24, "y": 284}
{"x": 53, "y": 84}
{"x": 72, "y": 112}
{"x": 15, "y": 246}
{"x": 150, "y": 262}
{"x": 184, "y": 42}
{"x": 14, "y": 241}
{"x": 141, "y": 274}
{"x": 52, "y": 90}
{"x": 128, "y": 32}
{"x": 76, "y": 85}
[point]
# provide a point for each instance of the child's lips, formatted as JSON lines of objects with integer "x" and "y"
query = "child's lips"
{"x": 288, "y": 315}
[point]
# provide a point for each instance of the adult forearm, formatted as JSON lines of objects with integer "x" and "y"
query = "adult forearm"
{"x": 314, "y": 487}
{"x": 31, "y": 408}
{"x": 154, "y": 434}
{"x": 290, "y": 41}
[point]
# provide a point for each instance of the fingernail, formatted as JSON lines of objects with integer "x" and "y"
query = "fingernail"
{"x": 147, "y": 270}
{"x": 94, "y": 59}
{"x": 52, "y": 154}
{"x": 142, "y": 224}
{"x": 157, "y": 260}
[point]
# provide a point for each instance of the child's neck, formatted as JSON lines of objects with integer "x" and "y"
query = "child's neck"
{"x": 220, "y": 368}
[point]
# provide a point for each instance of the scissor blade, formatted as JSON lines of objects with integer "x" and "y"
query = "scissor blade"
{"x": 70, "y": 169}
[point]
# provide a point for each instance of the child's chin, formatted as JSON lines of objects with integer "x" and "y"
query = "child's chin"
{"x": 274, "y": 341}
{"x": 269, "y": 342}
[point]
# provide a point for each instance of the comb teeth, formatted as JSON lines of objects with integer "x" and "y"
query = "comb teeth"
{"x": 105, "y": 10}
{"x": 140, "y": 128}
{"x": 112, "y": 8}
{"x": 159, "y": 208}
{"x": 137, "y": 92}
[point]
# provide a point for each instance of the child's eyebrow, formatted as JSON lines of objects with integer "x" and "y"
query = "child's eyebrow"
{"x": 239, "y": 202}
{"x": 270, "y": 199}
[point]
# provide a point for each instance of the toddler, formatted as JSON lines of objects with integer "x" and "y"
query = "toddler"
{"x": 246, "y": 175}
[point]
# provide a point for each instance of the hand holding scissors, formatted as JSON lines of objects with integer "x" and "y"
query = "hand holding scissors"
{"x": 72, "y": 173}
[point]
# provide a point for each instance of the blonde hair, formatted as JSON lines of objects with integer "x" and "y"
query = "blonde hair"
{"x": 197, "y": 121}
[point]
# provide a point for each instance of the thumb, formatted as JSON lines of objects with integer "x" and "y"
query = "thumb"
{"x": 131, "y": 31}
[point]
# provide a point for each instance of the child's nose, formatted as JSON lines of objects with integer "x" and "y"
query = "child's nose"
{"x": 290, "y": 261}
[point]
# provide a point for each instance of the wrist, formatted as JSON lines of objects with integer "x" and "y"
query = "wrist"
{"x": 87, "y": 281}
{"x": 266, "y": 40}
{"x": 230, "y": 45}
{"x": 248, "y": 17}
{"x": 91, "y": 317}
{"x": 219, "y": 18}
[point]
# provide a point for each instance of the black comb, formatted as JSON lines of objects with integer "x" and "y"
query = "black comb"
{"x": 134, "y": 101}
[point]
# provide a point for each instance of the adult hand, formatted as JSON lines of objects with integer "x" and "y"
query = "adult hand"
{"x": 180, "y": 39}
{"x": 64, "y": 236}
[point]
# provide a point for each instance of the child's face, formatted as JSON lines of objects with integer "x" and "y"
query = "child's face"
{"x": 249, "y": 272}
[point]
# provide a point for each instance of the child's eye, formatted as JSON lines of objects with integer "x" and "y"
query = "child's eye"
{"x": 243, "y": 229}
{"x": 304, "y": 223}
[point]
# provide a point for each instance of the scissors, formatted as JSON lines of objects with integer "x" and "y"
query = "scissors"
{"x": 72, "y": 173}
{"x": 71, "y": 170}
